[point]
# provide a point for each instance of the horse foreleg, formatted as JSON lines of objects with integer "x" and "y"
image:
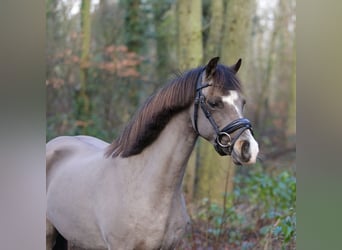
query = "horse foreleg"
{"x": 54, "y": 240}
{"x": 51, "y": 235}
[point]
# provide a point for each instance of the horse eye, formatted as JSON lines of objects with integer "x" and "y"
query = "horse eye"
{"x": 215, "y": 103}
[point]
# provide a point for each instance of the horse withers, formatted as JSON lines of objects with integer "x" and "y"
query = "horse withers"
{"x": 128, "y": 194}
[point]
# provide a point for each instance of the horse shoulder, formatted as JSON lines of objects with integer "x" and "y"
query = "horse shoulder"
{"x": 56, "y": 149}
{"x": 64, "y": 147}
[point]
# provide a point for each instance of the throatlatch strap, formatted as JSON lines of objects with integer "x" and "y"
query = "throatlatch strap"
{"x": 198, "y": 98}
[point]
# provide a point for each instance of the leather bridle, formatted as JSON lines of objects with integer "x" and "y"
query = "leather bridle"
{"x": 240, "y": 125}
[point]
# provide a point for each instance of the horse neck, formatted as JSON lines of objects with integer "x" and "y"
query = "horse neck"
{"x": 167, "y": 157}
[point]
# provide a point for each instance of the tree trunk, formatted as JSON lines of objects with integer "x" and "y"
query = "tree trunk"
{"x": 135, "y": 25}
{"x": 291, "y": 125}
{"x": 212, "y": 47}
{"x": 82, "y": 98}
{"x": 216, "y": 170}
{"x": 262, "y": 107}
{"x": 238, "y": 17}
{"x": 190, "y": 46}
{"x": 286, "y": 67}
{"x": 282, "y": 92}
{"x": 190, "y": 55}
{"x": 291, "y": 122}
{"x": 166, "y": 39}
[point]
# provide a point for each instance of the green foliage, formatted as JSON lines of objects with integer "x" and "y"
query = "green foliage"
{"x": 59, "y": 124}
{"x": 274, "y": 198}
{"x": 273, "y": 193}
{"x": 262, "y": 204}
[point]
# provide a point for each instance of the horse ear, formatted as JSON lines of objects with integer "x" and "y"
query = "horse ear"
{"x": 236, "y": 66}
{"x": 211, "y": 67}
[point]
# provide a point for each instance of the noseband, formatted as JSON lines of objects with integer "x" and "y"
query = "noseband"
{"x": 241, "y": 124}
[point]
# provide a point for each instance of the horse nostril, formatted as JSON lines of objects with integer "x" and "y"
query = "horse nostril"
{"x": 245, "y": 152}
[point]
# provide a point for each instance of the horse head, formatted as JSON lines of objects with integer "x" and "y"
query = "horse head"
{"x": 217, "y": 113}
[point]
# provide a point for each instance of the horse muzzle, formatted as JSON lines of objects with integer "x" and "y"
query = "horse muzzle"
{"x": 246, "y": 150}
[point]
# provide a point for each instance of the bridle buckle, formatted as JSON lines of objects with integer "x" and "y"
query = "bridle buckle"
{"x": 220, "y": 137}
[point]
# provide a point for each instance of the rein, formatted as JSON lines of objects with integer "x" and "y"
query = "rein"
{"x": 240, "y": 124}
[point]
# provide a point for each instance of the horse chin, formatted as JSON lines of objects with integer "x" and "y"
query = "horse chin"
{"x": 236, "y": 162}
{"x": 224, "y": 152}
{"x": 236, "y": 159}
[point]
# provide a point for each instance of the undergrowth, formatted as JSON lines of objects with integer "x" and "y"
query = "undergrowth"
{"x": 259, "y": 214}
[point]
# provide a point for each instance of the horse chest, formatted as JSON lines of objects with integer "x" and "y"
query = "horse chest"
{"x": 162, "y": 230}
{"x": 149, "y": 225}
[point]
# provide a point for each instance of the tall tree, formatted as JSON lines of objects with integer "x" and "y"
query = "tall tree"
{"x": 82, "y": 98}
{"x": 262, "y": 106}
{"x": 236, "y": 34}
{"x": 107, "y": 24}
{"x": 135, "y": 25}
{"x": 291, "y": 122}
{"x": 190, "y": 55}
{"x": 238, "y": 20}
{"x": 216, "y": 173}
{"x": 208, "y": 182}
{"x": 277, "y": 95}
{"x": 212, "y": 46}
{"x": 164, "y": 18}
{"x": 285, "y": 91}
{"x": 190, "y": 46}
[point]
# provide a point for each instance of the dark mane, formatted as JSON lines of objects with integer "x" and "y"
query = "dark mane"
{"x": 152, "y": 117}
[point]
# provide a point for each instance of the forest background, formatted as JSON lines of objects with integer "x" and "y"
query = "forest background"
{"x": 104, "y": 58}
